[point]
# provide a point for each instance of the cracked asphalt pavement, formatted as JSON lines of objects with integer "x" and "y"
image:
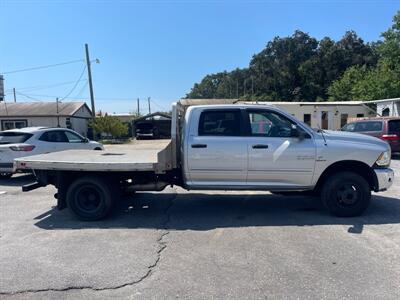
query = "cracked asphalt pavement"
{"x": 179, "y": 244}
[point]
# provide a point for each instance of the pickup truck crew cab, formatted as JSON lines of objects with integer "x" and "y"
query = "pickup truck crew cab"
{"x": 223, "y": 147}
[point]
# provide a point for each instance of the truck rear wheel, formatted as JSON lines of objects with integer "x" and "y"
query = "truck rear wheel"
{"x": 90, "y": 198}
{"x": 346, "y": 194}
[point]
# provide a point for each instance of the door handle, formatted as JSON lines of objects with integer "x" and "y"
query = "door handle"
{"x": 199, "y": 146}
{"x": 260, "y": 146}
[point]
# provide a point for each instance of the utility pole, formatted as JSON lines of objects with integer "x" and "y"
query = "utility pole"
{"x": 15, "y": 97}
{"x": 138, "y": 108}
{"x": 148, "y": 100}
{"x": 58, "y": 117}
{"x": 2, "y": 98}
{"x": 90, "y": 80}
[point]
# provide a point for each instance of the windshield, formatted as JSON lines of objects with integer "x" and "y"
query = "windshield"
{"x": 13, "y": 137}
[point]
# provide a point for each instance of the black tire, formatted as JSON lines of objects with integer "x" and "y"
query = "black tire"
{"x": 5, "y": 175}
{"x": 97, "y": 149}
{"x": 90, "y": 198}
{"x": 346, "y": 194}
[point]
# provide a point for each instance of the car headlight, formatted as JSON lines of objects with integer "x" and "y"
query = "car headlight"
{"x": 383, "y": 159}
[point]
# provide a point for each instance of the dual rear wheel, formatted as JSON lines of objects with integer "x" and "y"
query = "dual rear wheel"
{"x": 91, "y": 198}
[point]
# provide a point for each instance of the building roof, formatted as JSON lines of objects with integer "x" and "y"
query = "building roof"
{"x": 40, "y": 109}
{"x": 188, "y": 102}
{"x": 156, "y": 115}
{"x": 384, "y": 100}
{"x": 325, "y": 103}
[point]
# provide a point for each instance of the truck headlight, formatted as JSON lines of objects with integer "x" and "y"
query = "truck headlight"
{"x": 383, "y": 159}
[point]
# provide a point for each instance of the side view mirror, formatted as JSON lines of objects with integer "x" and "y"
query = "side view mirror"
{"x": 85, "y": 140}
{"x": 296, "y": 132}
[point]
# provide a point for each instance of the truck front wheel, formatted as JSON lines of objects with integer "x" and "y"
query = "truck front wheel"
{"x": 346, "y": 194}
{"x": 90, "y": 198}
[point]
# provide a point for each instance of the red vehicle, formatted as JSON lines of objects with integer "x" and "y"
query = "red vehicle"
{"x": 385, "y": 128}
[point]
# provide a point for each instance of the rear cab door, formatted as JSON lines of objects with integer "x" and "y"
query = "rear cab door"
{"x": 215, "y": 153}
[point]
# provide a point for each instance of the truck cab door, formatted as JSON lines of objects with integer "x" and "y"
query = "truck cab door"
{"x": 278, "y": 158}
{"x": 215, "y": 152}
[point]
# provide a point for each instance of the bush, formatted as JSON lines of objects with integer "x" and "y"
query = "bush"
{"x": 110, "y": 126}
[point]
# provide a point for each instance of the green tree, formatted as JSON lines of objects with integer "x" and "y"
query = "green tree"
{"x": 109, "y": 125}
{"x": 294, "y": 68}
{"x": 379, "y": 82}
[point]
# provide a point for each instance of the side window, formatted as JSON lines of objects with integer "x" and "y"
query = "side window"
{"x": 270, "y": 124}
{"x": 394, "y": 127}
{"x": 56, "y": 136}
{"x": 73, "y": 138}
{"x": 220, "y": 123}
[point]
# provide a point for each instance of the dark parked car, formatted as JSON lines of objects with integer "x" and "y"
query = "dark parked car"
{"x": 155, "y": 129}
{"x": 385, "y": 128}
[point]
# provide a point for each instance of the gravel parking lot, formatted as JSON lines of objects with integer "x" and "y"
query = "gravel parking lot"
{"x": 197, "y": 245}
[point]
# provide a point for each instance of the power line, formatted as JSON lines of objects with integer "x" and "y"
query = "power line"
{"x": 82, "y": 89}
{"x": 51, "y": 96}
{"x": 29, "y": 97}
{"x": 41, "y": 87}
{"x": 159, "y": 106}
{"x": 43, "y": 67}
{"x": 75, "y": 85}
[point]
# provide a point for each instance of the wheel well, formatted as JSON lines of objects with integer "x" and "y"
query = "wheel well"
{"x": 354, "y": 166}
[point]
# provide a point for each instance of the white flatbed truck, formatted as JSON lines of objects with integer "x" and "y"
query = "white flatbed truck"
{"x": 222, "y": 147}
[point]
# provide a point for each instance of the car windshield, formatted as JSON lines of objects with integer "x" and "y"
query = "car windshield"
{"x": 13, "y": 137}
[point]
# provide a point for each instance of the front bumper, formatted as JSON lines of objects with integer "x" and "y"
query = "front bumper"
{"x": 385, "y": 178}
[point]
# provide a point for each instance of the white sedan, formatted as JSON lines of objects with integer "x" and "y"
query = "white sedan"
{"x": 37, "y": 140}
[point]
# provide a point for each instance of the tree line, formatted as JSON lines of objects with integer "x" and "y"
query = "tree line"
{"x": 302, "y": 68}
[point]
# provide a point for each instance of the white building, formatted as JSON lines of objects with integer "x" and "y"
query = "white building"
{"x": 73, "y": 115}
{"x": 325, "y": 115}
{"x": 388, "y": 107}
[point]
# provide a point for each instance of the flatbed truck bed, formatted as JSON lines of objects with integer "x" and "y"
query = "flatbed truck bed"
{"x": 146, "y": 155}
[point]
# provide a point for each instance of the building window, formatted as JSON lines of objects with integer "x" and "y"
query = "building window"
{"x": 12, "y": 124}
{"x": 343, "y": 119}
{"x": 307, "y": 119}
{"x": 386, "y": 112}
{"x": 68, "y": 123}
{"x": 360, "y": 115}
